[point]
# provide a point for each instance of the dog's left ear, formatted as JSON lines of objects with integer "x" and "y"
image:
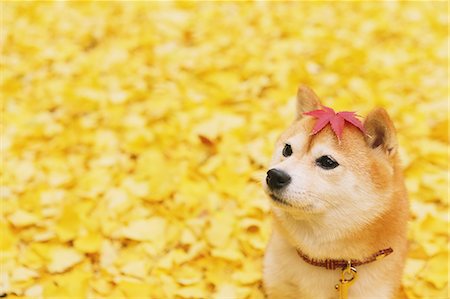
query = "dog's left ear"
{"x": 307, "y": 100}
{"x": 380, "y": 131}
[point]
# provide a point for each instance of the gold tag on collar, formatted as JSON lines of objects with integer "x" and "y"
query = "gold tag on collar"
{"x": 348, "y": 277}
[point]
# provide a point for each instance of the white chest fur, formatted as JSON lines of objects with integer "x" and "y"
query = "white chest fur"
{"x": 286, "y": 275}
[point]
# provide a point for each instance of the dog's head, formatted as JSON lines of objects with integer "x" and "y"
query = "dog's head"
{"x": 320, "y": 176}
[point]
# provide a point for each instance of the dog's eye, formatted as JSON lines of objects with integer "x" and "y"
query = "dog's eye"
{"x": 327, "y": 162}
{"x": 287, "y": 150}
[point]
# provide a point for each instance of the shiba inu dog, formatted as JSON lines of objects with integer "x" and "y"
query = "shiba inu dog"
{"x": 339, "y": 207}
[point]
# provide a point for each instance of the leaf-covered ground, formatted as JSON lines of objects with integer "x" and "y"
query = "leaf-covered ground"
{"x": 134, "y": 136}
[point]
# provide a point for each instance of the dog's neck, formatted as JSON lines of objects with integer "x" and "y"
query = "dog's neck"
{"x": 322, "y": 238}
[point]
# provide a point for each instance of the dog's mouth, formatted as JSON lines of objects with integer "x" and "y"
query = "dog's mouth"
{"x": 282, "y": 202}
{"x": 279, "y": 200}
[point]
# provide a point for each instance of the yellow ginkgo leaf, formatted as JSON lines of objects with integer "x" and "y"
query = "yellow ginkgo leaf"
{"x": 137, "y": 269}
{"x": 23, "y": 274}
{"x": 135, "y": 290}
{"x": 152, "y": 229}
{"x": 62, "y": 258}
{"x": 220, "y": 230}
{"x": 22, "y": 218}
{"x": 225, "y": 291}
{"x": 89, "y": 243}
{"x": 436, "y": 270}
{"x": 68, "y": 225}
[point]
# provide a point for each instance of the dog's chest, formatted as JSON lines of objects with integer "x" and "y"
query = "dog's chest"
{"x": 286, "y": 275}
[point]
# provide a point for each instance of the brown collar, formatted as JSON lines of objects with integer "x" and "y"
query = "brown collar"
{"x": 332, "y": 264}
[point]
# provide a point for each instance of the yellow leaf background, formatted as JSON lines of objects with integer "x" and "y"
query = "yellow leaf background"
{"x": 134, "y": 136}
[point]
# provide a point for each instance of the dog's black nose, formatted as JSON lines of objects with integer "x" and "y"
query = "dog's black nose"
{"x": 277, "y": 179}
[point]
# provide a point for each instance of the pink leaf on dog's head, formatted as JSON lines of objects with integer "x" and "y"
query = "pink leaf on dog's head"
{"x": 323, "y": 118}
{"x": 337, "y": 124}
{"x": 351, "y": 118}
{"x": 336, "y": 120}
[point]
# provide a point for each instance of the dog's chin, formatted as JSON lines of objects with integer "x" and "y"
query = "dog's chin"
{"x": 290, "y": 206}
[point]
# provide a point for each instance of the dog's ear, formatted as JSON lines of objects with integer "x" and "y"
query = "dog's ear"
{"x": 307, "y": 100}
{"x": 380, "y": 131}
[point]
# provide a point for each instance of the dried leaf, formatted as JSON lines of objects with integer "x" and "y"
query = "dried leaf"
{"x": 326, "y": 116}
